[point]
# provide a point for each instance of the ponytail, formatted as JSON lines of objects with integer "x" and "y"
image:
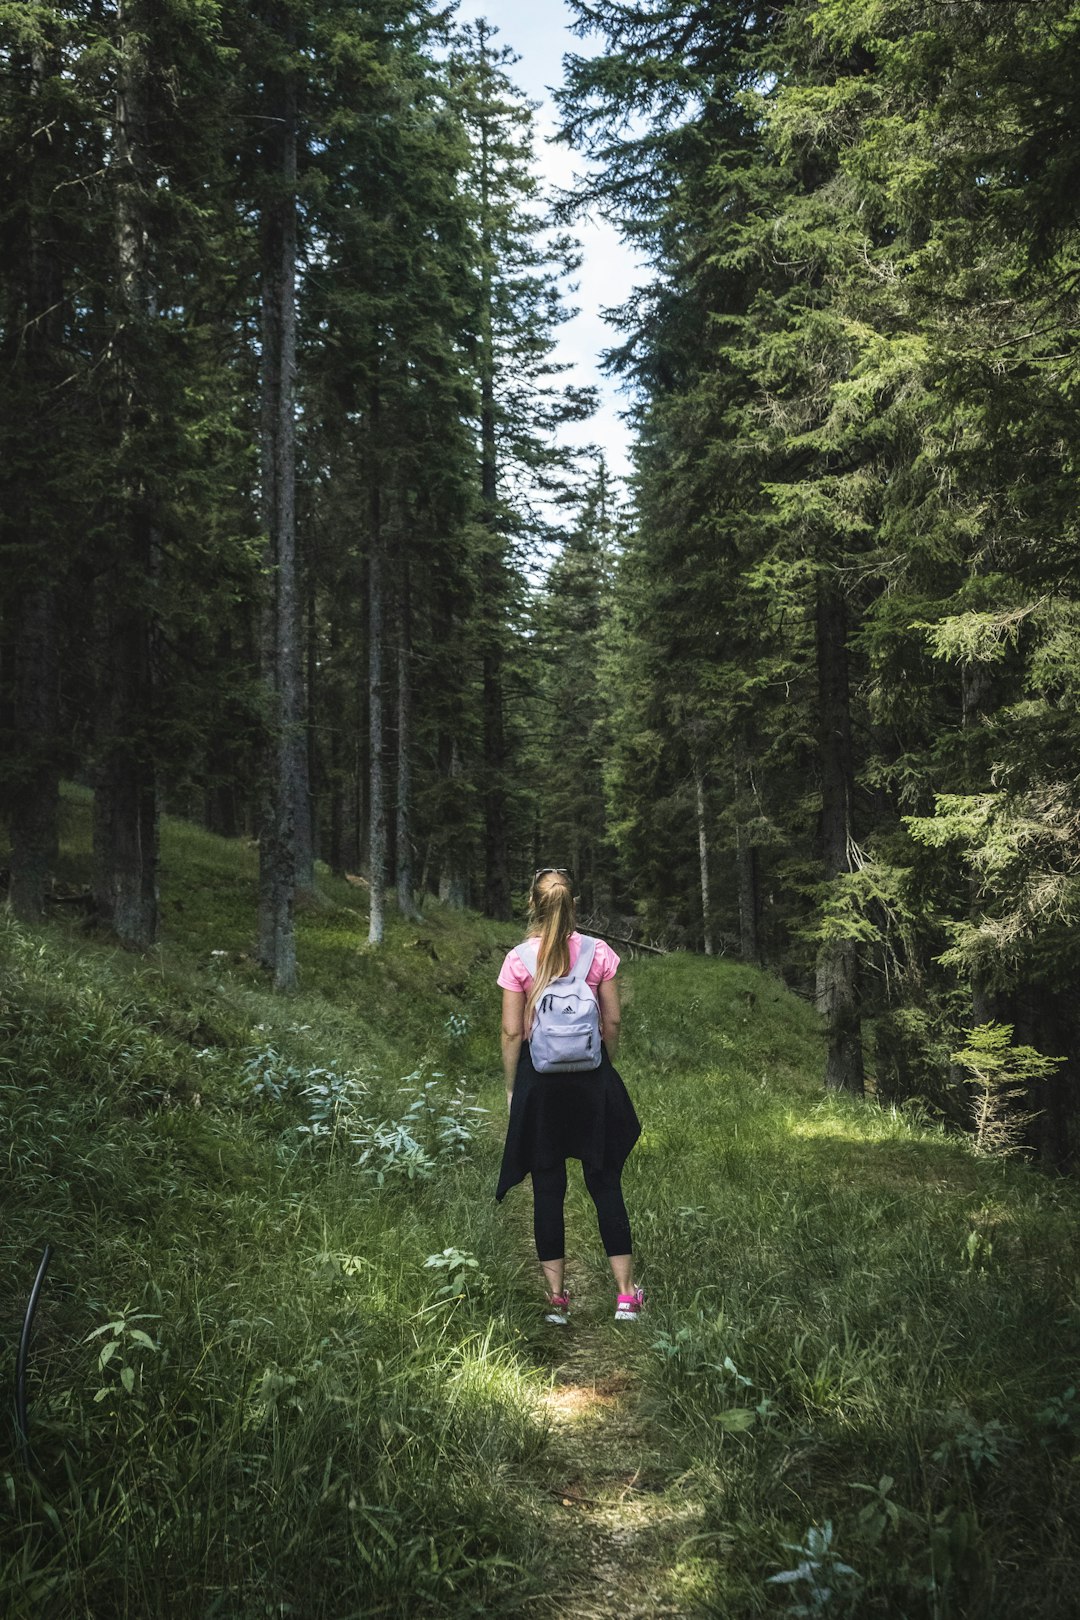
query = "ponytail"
{"x": 551, "y": 911}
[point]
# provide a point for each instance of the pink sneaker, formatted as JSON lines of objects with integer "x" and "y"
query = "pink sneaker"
{"x": 628, "y": 1306}
{"x": 558, "y": 1308}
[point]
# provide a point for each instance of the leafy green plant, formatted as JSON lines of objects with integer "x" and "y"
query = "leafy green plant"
{"x": 118, "y": 1352}
{"x": 446, "y": 1125}
{"x": 881, "y": 1516}
{"x": 820, "y": 1581}
{"x": 269, "y": 1075}
{"x": 1059, "y": 1417}
{"x": 332, "y": 1103}
{"x": 461, "y": 1271}
{"x": 976, "y": 1444}
{"x": 390, "y": 1152}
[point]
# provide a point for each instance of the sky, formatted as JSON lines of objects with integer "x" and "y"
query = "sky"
{"x": 537, "y": 30}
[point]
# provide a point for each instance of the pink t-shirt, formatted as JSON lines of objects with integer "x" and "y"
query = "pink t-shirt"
{"x": 514, "y": 975}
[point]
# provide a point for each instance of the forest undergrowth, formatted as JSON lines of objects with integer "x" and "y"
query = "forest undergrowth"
{"x": 290, "y": 1360}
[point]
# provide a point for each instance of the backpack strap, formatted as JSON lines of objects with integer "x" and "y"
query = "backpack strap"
{"x": 529, "y": 952}
{"x": 585, "y": 958}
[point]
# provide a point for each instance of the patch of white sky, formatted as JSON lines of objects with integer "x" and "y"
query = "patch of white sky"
{"x": 538, "y": 31}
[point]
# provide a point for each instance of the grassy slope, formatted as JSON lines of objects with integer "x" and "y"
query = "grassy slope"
{"x": 318, "y": 1432}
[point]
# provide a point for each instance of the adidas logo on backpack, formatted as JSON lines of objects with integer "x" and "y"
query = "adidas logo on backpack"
{"x": 565, "y": 1035}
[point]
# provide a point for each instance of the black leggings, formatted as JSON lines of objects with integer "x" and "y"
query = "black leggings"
{"x": 549, "y": 1190}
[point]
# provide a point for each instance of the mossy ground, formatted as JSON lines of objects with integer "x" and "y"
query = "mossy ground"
{"x": 851, "y": 1320}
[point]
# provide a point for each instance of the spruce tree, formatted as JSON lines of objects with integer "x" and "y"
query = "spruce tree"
{"x": 516, "y": 311}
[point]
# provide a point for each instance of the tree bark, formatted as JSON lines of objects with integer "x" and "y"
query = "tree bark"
{"x": 126, "y": 811}
{"x": 377, "y": 807}
{"x": 224, "y": 809}
{"x": 34, "y": 804}
{"x": 1042, "y": 1022}
{"x": 492, "y": 578}
{"x": 33, "y": 817}
{"x": 453, "y": 882}
{"x": 338, "y": 779}
{"x": 404, "y": 846}
{"x": 281, "y": 618}
{"x": 496, "y": 853}
{"x": 703, "y": 856}
{"x": 837, "y": 966}
{"x": 746, "y": 856}
{"x": 304, "y": 767}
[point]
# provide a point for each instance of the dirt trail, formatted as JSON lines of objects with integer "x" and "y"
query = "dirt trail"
{"x": 616, "y": 1509}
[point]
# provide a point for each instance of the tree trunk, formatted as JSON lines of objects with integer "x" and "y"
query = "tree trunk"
{"x": 492, "y": 582}
{"x": 496, "y": 853}
{"x": 304, "y": 769}
{"x": 1042, "y": 1022}
{"x": 746, "y": 857}
{"x": 404, "y": 750}
{"x": 361, "y": 788}
{"x": 33, "y": 816}
{"x": 338, "y": 779}
{"x": 703, "y": 856}
{"x": 336, "y": 851}
{"x": 126, "y": 817}
{"x": 453, "y": 883}
{"x": 281, "y": 617}
{"x": 377, "y": 808}
{"x": 33, "y": 810}
{"x": 451, "y": 858}
{"x": 837, "y": 966}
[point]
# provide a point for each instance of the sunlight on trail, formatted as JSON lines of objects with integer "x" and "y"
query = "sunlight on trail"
{"x": 576, "y": 1401}
{"x": 611, "y": 1489}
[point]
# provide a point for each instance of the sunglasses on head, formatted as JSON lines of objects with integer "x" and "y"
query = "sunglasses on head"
{"x": 544, "y": 871}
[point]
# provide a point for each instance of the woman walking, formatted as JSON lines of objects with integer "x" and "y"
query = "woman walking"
{"x": 554, "y": 1116}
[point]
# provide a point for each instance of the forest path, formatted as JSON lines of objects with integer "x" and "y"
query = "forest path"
{"x": 618, "y": 1510}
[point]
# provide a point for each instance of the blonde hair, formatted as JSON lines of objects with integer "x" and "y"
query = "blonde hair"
{"x": 551, "y": 915}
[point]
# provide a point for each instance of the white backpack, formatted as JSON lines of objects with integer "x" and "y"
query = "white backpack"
{"x": 565, "y": 1034}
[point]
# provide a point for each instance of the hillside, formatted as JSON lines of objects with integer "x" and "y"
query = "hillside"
{"x": 289, "y": 1358}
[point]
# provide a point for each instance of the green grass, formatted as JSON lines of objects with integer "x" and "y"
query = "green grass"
{"x": 844, "y": 1294}
{"x": 299, "y": 1418}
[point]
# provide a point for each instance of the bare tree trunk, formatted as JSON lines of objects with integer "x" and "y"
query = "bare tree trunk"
{"x": 33, "y": 810}
{"x": 377, "y": 809}
{"x": 1042, "y": 1022}
{"x": 126, "y": 814}
{"x": 453, "y": 883}
{"x": 703, "y": 856}
{"x": 404, "y": 750}
{"x": 453, "y": 839}
{"x": 492, "y": 580}
{"x": 336, "y": 852}
{"x": 361, "y": 787}
{"x": 223, "y": 804}
{"x": 281, "y": 617}
{"x": 837, "y": 966}
{"x": 496, "y": 853}
{"x": 33, "y": 818}
{"x": 746, "y": 860}
{"x": 304, "y": 767}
